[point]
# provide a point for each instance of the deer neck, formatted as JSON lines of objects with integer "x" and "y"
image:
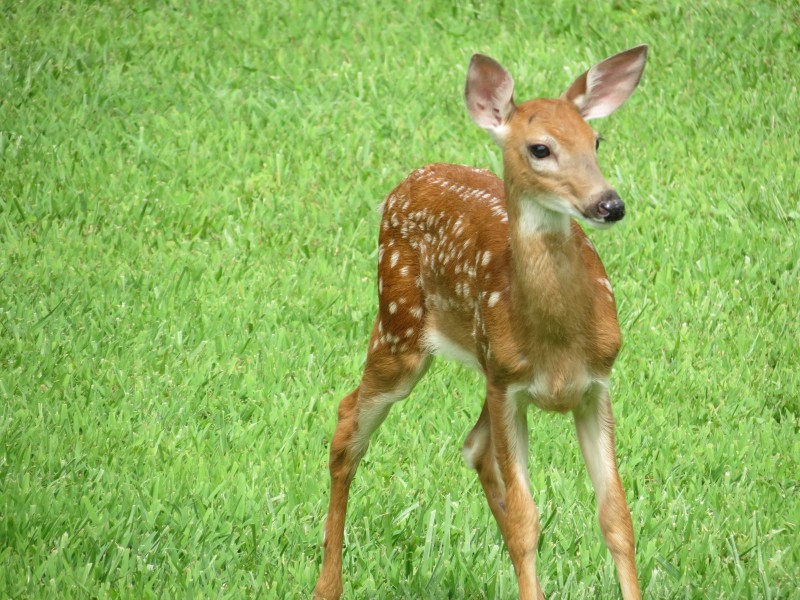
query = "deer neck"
{"x": 550, "y": 289}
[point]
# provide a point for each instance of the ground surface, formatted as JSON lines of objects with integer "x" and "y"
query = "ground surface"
{"x": 187, "y": 257}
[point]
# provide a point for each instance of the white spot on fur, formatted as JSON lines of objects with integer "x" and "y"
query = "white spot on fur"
{"x": 487, "y": 256}
{"x": 392, "y": 308}
{"x": 494, "y": 298}
{"x": 395, "y": 258}
{"x": 605, "y": 283}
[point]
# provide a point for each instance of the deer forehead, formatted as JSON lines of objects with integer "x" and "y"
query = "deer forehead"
{"x": 554, "y": 120}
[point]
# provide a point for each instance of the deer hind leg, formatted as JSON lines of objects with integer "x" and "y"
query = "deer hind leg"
{"x": 594, "y": 424}
{"x": 388, "y": 377}
{"x": 497, "y": 448}
{"x": 478, "y": 453}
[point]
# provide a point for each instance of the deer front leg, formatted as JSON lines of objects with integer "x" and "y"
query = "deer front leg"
{"x": 515, "y": 512}
{"x": 594, "y": 424}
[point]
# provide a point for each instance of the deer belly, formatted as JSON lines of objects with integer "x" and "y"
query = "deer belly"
{"x": 556, "y": 392}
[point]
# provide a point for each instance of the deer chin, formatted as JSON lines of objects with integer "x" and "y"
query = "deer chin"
{"x": 596, "y": 223}
{"x": 551, "y": 213}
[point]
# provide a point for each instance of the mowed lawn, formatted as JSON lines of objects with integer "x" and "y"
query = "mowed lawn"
{"x": 188, "y": 240}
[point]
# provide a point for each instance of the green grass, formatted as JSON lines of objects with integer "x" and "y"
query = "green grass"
{"x": 187, "y": 256}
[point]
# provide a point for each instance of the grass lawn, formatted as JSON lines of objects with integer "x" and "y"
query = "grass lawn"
{"x": 188, "y": 240}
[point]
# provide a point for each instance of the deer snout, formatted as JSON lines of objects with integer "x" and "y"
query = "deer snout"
{"x": 610, "y": 207}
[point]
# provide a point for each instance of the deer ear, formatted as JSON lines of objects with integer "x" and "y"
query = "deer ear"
{"x": 606, "y": 86}
{"x": 489, "y": 95}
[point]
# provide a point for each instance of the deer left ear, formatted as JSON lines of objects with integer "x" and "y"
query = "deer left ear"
{"x": 489, "y": 95}
{"x": 606, "y": 86}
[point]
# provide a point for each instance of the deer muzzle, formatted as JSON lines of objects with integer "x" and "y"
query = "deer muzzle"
{"x": 610, "y": 207}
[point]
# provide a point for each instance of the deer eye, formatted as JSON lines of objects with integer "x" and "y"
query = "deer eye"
{"x": 539, "y": 150}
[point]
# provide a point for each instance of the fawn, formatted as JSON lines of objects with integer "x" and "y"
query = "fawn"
{"x": 495, "y": 273}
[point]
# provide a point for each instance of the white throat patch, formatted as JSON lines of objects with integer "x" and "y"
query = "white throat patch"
{"x": 545, "y": 214}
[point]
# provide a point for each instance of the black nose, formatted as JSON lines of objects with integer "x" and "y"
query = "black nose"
{"x": 611, "y": 208}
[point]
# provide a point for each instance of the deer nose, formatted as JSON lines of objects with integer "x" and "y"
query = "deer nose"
{"x": 610, "y": 207}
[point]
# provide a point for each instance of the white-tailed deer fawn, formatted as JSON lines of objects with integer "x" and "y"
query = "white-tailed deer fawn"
{"x": 496, "y": 274}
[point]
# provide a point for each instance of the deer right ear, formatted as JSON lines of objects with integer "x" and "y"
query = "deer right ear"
{"x": 489, "y": 95}
{"x": 606, "y": 86}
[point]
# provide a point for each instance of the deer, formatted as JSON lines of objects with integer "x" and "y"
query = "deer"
{"x": 498, "y": 275}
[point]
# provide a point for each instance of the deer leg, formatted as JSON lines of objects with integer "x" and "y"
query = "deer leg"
{"x": 594, "y": 424}
{"x": 497, "y": 447}
{"x": 387, "y": 379}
